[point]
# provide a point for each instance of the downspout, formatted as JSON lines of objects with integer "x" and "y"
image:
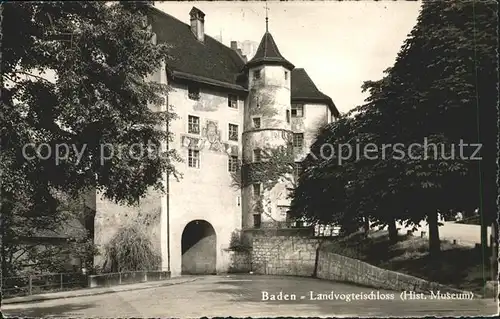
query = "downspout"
{"x": 168, "y": 193}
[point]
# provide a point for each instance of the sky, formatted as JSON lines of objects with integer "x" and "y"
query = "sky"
{"x": 341, "y": 44}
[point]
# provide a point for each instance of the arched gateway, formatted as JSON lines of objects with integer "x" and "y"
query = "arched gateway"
{"x": 199, "y": 253}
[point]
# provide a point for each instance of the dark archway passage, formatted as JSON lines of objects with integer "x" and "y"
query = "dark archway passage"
{"x": 199, "y": 252}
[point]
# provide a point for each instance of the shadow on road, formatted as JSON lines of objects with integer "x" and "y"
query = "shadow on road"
{"x": 69, "y": 310}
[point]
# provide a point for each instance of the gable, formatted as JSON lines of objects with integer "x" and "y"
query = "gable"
{"x": 303, "y": 89}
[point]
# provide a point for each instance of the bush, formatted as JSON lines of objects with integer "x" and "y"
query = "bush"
{"x": 236, "y": 243}
{"x": 131, "y": 250}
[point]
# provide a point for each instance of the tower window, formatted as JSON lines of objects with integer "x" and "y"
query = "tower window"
{"x": 193, "y": 124}
{"x": 298, "y": 139}
{"x": 256, "y": 190}
{"x": 232, "y": 101}
{"x": 297, "y": 110}
{"x": 288, "y": 116}
{"x": 193, "y": 92}
{"x": 256, "y": 220}
{"x": 194, "y": 158}
{"x": 256, "y": 74}
{"x": 257, "y": 155}
{"x": 256, "y": 122}
{"x": 286, "y": 75}
{"x": 233, "y": 163}
{"x": 297, "y": 169}
{"x": 233, "y": 132}
{"x": 283, "y": 210}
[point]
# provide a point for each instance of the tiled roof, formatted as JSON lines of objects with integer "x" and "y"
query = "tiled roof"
{"x": 213, "y": 63}
{"x": 268, "y": 53}
{"x": 209, "y": 59}
{"x": 304, "y": 90}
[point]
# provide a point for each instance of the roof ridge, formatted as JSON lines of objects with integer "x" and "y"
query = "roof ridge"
{"x": 307, "y": 74}
{"x": 188, "y": 26}
{"x": 167, "y": 14}
{"x": 265, "y": 43}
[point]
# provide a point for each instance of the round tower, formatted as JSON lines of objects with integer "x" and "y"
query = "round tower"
{"x": 267, "y": 119}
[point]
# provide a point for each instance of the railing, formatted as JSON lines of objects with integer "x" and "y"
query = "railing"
{"x": 320, "y": 230}
{"x": 326, "y": 230}
{"x": 36, "y": 284}
{"x": 122, "y": 278}
{"x": 54, "y": 282}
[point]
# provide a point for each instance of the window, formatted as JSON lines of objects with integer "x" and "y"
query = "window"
{"x": 286, "y": 75}
{"x": 256, "y": 220}
{"x": 193, "y": 92}
{"x": 194, "y": 158}
{"x": 297, "y": 110}
{"x": 232, "y": 101}
{"x": 256, "y": 75}
{"x": 283, "y": 210}
{"x": 193, "y": 124}
{"x": 233, "y": 163}
{"x": 297, "y": 169}
{"x": 288, "y": 116}
{"x": 233, "y": 132}
{"x": 256, "y": 122}
{"x": 256, "y": 190}
{"x": 257, "y": 155}
{"x": 298, "y": 139}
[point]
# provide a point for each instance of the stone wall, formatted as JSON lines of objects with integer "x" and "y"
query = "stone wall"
{"x": 283, "y": 255}
{"x": 239, "y": 261}
{"x": 308, "y": 256}
{"x": 340, "y": 268}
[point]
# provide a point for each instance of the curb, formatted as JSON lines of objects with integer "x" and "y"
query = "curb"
{"x": 91, "y": 293}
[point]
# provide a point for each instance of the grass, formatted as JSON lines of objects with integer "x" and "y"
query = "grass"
{"x": 457, "y": 266}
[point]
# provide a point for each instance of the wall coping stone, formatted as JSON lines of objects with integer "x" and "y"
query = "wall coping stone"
{"x": 419, "y": 284}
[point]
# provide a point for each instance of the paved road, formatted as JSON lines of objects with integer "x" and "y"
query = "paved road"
{"x": 241, "y": 296}
{"x": 466, "y": 235}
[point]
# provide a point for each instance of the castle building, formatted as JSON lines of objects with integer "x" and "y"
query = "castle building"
{"x": 227, "y": 110}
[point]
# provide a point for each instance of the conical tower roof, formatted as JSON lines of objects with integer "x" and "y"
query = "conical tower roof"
{"x": 268, "y": 53}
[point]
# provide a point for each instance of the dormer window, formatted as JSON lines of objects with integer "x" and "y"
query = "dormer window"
{"x": 193, "y": 92}
{"x": 256, "y": 75}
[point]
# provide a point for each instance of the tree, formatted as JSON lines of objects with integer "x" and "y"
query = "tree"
{"x": 99, "y": 101}
{"x": 131, "y": 250}
{"x": 447, "y": 71}
{"x": 442, "y": 83}
{"x": 22, "y": 252}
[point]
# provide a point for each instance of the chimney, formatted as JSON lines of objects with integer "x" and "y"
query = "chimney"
{"x": 198, "y": 23}
{"x": 234, "y": 45}
{"x": 244, "y": 57}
